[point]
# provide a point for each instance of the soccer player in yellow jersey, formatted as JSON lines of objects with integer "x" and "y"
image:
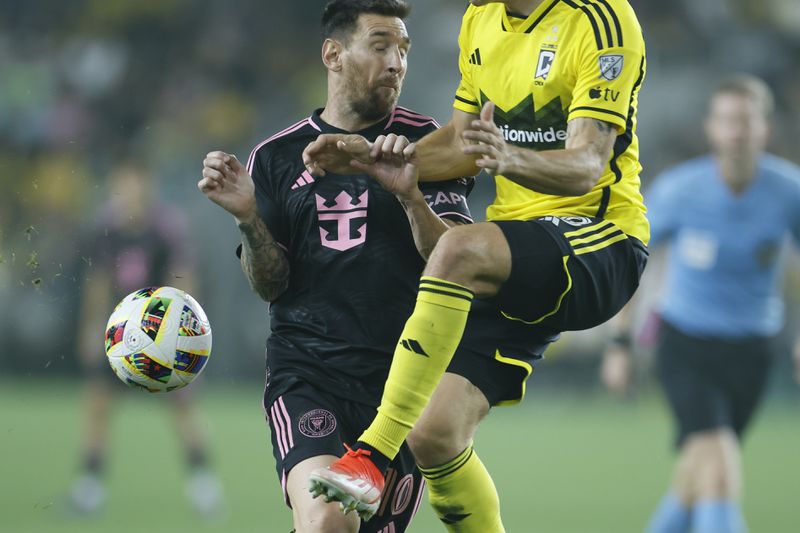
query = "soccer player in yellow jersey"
{"x": 546, "y": 104}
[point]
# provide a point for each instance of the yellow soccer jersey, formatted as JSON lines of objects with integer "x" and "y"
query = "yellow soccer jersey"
{"x": 568, "y": 59}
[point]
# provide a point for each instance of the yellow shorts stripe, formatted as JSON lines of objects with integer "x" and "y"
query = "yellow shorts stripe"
{"x": 587, "y": 229}
{"x": 601, "y": 245}
{"x": 595, "y": 237}
{"x": 527, "y": 367}
{"x": 558, "y": 303}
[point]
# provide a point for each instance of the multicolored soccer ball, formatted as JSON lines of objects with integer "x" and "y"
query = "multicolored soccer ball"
{"x": 158, "y": 339}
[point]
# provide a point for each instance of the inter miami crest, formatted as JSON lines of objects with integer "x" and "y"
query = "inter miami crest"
{"x": 317, "y": 423}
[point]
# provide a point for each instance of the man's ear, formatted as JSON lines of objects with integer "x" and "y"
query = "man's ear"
{"x": 332, "y": 54}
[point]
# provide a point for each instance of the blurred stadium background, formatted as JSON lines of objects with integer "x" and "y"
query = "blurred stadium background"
{"x": 85, "y": 82}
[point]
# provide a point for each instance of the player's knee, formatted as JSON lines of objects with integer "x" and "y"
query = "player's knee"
{"x": 435, "y": 443}
{"x": 716, "y": 481}
{"x": 466, "y": 256}
{"x": 325, "y": 518}
{"x": 454, "y": 253}
{"x": 713, "y": 459}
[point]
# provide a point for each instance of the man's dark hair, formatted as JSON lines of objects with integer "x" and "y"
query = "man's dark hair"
{"x": 340, "y": 17}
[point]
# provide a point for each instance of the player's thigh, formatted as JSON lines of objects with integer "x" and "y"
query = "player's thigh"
{"x": 475, "y": 255}
{"x": 568, "y": 273}
{"x": 746, "y": 376}
{"x": 304, "y": 423}
{"x": 691, "y": 383}
{"x": 308, "y": 428}
{"x": 314, "y": 514}
{"x": 448, "y": 424}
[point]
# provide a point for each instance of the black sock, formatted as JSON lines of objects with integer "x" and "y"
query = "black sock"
{"x": 94, "y": 463}
{"x": 197, "y": 458}
{"x": 380, "y": 460}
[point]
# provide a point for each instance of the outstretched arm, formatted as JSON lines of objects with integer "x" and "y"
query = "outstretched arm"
{"x": 439, "y": 155}
{"x": 616, "y": 365}
{"x": 227, "y": 183}
{"x": 263, "y": 261}
{"x": 573, "y": 171}
{"x": 395, "y": 169}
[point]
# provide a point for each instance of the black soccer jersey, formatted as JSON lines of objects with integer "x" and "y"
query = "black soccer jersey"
{"x": 141, "y": 253}
{"x": 354, "y": 265}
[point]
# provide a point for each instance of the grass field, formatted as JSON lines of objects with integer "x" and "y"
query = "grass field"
{"x": 563, "y": 463}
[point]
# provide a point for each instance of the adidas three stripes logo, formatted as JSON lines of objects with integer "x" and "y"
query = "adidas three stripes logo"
{"x": 475, "y": 58}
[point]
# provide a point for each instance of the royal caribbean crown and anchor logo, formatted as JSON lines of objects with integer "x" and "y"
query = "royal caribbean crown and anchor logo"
{"x": 342, "y": 223}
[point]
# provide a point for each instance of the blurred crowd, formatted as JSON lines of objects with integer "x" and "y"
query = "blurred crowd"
{"x": 88, "y": 83}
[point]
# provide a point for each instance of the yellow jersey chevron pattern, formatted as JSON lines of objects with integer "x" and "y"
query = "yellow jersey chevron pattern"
{"x": 568, "y": 59}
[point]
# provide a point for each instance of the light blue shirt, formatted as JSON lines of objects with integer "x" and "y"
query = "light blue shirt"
{"x": 726, "y": 260}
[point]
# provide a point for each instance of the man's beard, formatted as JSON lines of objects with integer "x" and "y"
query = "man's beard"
{"x": 372, "y": 107}
{"x": 369, "y": 104}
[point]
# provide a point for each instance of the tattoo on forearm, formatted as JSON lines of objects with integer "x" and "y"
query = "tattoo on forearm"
{"x": 263, "y": 261}
{"x": 603, "y": 126}
{"x": 581, "y": 131}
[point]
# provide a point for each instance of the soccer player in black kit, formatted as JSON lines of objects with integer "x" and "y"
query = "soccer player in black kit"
{"x": 133, "y": 242}
{"x": 339, "y": 258}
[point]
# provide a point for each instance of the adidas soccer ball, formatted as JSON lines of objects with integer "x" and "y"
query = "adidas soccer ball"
{"x": 158, "y": 339}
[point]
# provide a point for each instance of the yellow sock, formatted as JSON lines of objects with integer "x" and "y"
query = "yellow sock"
{"x": 426, "y": 346}
{"x": 463, "y": 495}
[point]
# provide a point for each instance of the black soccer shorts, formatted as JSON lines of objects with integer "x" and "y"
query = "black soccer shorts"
{"x": 712, "y": 383}
{"x": 306, "y": 422}
{"x": 567, "y": 273}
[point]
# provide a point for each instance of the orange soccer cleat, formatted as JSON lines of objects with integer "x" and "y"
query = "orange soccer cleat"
{"x": 353, "y": 480}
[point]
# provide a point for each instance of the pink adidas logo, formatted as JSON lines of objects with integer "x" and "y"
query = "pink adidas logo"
{"x": 305, "y": 179}
{"x": 344, "y": 211}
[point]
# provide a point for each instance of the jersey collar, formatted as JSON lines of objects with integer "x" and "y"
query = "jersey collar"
{"x": 511, "y": 23}
{"x": 369, "y": 132}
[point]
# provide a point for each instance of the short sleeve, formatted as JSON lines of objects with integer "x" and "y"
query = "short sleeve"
{"x": 448, "y": 199}
{"x": 609, "y": 74}
{"x": 466, "y": 98}
{"x": 268, "y": 202}
{"x": 663, "y": 203}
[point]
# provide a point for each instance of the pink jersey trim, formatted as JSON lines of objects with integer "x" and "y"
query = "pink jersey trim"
{"x": 282, "y": 427}
{"x": 282, "y": 133}
{"x": 288, "y": 421}
{"x": 406, "y": 116}
{"x": 314, "y": 124}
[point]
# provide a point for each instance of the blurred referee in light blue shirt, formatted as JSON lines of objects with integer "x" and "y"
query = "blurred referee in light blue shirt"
{"x": 729, "y": 218}
{"x": 728, "y": 245}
